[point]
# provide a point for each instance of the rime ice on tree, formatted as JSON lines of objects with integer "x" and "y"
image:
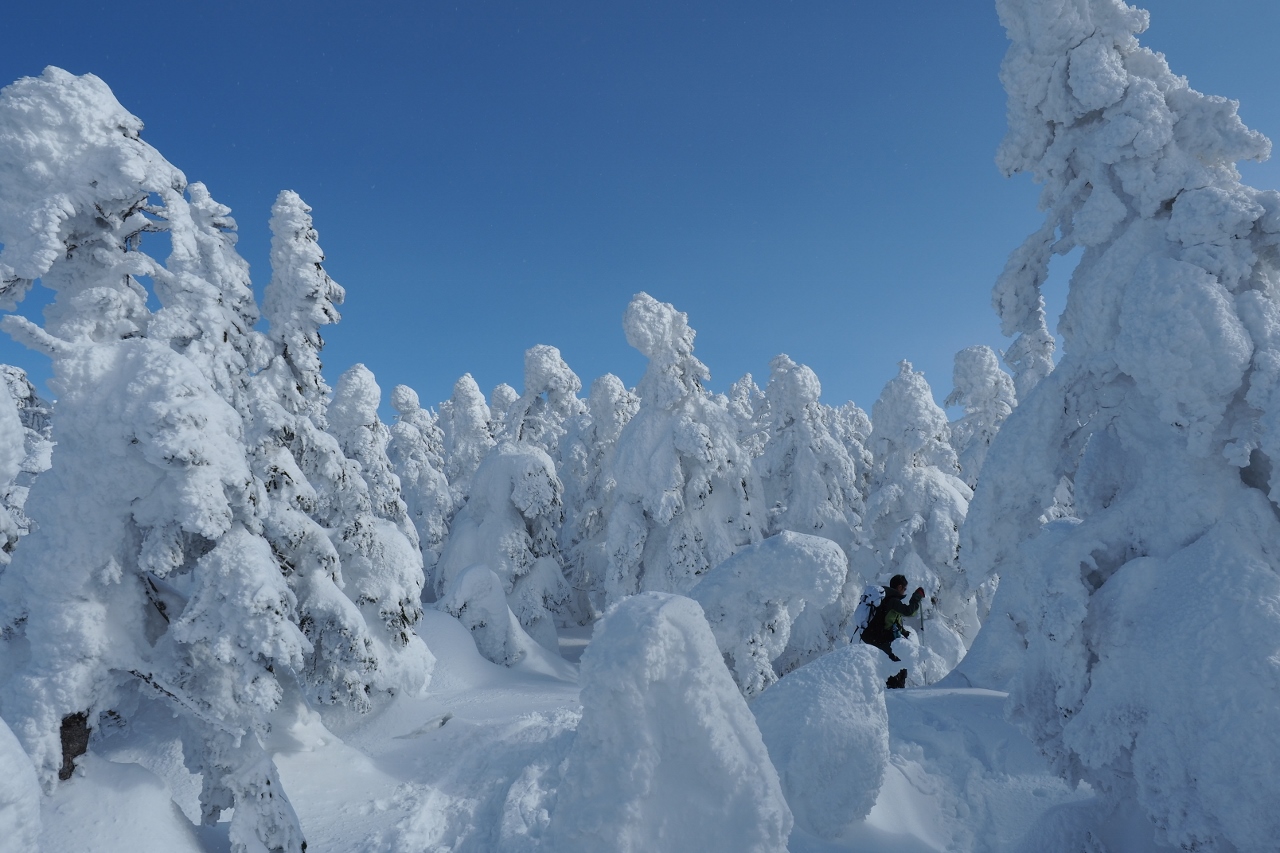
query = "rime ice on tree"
{"x": 686, "y": 494}
{"x": 914, "y": 514}
{"x": 1164, "y": 413}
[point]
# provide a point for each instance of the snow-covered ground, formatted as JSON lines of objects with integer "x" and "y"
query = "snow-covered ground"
{"x": 464, "y": 767}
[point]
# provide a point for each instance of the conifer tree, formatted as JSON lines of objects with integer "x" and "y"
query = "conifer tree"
{"x": 1164, "y": 414}
{"x": 987, "y": 395}
{"x": 913, "y": 519}
{"x": 416, "y": 452}
{"x": 686, "y": 496}
{"x": 587, "y": 452}
{"x": 464, "y": 421}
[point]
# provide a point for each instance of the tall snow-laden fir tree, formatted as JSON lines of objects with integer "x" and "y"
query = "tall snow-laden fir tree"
{"x": 913, "y": 519}
{"x": 686, "y": 495}
{"x": 810, "y": 485}
{"x": 587, "y": 452}
{"x": 986, "y": 392}
{"x": 378, "y": 567}
{"x": 809, "y": 481}
{"x": 1121, "y": 626}
{"x": 416, "y": 452}
{"x": 147, "y": 530}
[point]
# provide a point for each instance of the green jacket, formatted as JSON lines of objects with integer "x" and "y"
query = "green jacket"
{"x": 894, "y": 611}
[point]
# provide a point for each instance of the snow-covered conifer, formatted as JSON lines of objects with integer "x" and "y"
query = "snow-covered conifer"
{"x": 1165, "y": 413}
{"x": 550, "y": 399}
{"x": 354, "y": 421}
{"x": 586, "y": 454}
{"x": 914, "y": 514}
{"x": 509, "y": 525}
{"x": 749, "y": 408}
{"x": 464, "y": 420}
{"x": 986, "y": 393}
{"x": 416, "y": 452}
{"x": 809, "y": 481}
{"x": 208, "y": 309}
{"x": 298, "y": 301}
{"x": 146, "y": 573}
{"x": 36, "y": 445}
{"x": 501, "y": 399}
{"x": 686, "y": 495}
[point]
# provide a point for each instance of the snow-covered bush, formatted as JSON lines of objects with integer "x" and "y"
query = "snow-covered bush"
{"x": 686, "y": 496}
{"x": 914, "y": 514}
{"x": 478, "y": 600}
{"x": 509, "y": 525}
{"x": 667, "y": 755}
{"x": 986, "y": 393}
{"x": 1143, "y": 629}
{"x": 752, "y": 599}
{"x": 827, "y": 731}
{"x": 586, "y": 454}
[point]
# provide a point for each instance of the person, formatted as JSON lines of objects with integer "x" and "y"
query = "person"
{"x": 886, "y": 624}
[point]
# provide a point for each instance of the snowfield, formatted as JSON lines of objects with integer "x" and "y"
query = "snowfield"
{"x": 241, "y": 614}
{"x": 472, "y": 765}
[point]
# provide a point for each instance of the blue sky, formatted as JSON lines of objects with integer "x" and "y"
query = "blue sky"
{"x": 814, "y": 178}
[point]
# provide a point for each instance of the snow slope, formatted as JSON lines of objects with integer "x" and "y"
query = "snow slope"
{"x": 473, "y": 765}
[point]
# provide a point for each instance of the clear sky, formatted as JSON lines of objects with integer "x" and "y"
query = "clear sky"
{"x": 815, "y": 178}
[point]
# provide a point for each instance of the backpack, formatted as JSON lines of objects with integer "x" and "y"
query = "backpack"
{"x": 868, "y": 606}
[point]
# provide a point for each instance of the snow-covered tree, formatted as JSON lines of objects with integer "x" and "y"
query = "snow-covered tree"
{"x": 501, "y": 399}
{"x": 208, "y": 309}
{"x": 379, "y": 567}
{"x": 986, "y": 393}
{"x": 586, "y": 453}
{"x": 1123, "y": 624}
{"x": 809, "y": 481}
{"x": 147, "y": 572}
{"x": 27, "y": 450}
{"x": 464, "y": 420}
{"x": 917, "y": 505}
{"x": 550, "y": 399}
{"x": 509, "y": 525}
{"x": 416, "y": 452}
{"x": 686, "y": 495}
{"x": 749, "y": 408}
{"x": 363, "y": 437}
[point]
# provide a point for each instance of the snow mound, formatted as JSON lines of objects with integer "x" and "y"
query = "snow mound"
{"x": 752, "y": 599}
{"x": 19, "y": 796}
{"x": 827, "y": 731}
{"x": 667, "y": 755}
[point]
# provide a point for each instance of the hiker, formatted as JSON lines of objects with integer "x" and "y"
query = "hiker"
{"x": 885, "y": 624}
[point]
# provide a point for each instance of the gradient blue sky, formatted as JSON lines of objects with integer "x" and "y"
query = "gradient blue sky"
{"x": 814, "y": 178}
